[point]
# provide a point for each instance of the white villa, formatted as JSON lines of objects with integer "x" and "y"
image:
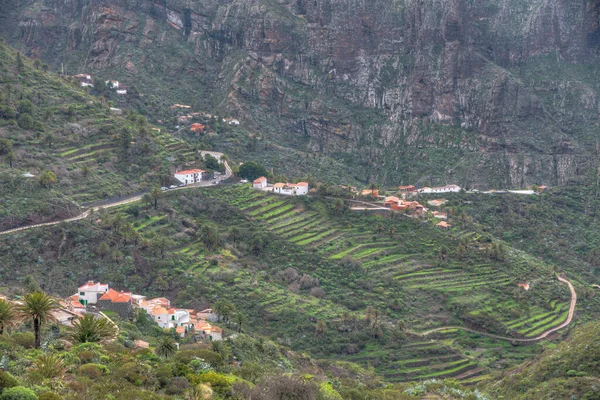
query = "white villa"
{"x": 441, "y": 189}
{"x": 189, "y": 176}
{"x": 291, "y": 189}
{"x": 260, "y": 183}
{"x": 112, "y": 84}
{"x": 91, "y": 292}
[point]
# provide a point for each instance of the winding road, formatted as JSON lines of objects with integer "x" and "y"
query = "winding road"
{"x": 217, "y": 155}
{"x": 541, "y": 336}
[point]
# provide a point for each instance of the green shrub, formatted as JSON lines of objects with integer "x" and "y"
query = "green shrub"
{"x": 24, "y": 339}
{"x": 186, "y": 356}
{"x": 18, "y": 393}
{"x": 26, "y": 121}
{"x": 93, "y": 370}
{"x": 7, "y": 381}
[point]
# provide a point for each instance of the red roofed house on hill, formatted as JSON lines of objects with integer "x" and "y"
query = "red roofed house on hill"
{"x": 197, "y": 128}
{"x": 260, "y": 183}
{"x": 119, "y": 302}
{"x": 189, "y": 176}
{"x": 291, "y": 189}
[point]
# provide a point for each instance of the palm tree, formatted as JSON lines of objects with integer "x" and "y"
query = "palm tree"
{"x": 38, "y": 306}
{"x": 166, "y": 347}
{"x": 91, "y": 329}
{"x": 49, "y": 366}
{"x": 7, "y": 315}
{"x": 155, "y": 194}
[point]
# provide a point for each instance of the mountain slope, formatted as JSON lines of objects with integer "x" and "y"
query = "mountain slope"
{"x": 51, "y": 124}
{"x": 479, "y": 93}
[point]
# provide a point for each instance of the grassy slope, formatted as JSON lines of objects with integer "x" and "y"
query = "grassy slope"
{"x": 395, "y": 269}
{"x": 568, "y": 371}
{"x": 94, "y": 154}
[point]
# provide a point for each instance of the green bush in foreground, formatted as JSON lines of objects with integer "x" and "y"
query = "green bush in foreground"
{"x": 18, "y": 393}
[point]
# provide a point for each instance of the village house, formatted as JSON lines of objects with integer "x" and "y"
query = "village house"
{"x": 174, "y": 106}
{"x": 116, "y": 111}
{"x": 291, "y": 189}
{"x": 440, "y": 215}
{"x": 368, "y": 192}
{"x": 85, "y": 80}
{"x": 197, "y": 128}
{"x": 122, "y": 91}
{"x": 231, "y": 121}
{"x": 260, "y": 183}
{"x": 407, "y": 189}
{"x": 441, "y": 189}
{"x": 437, "y": 203}
{"x": 91, "y": 292}
{"x": 524, "y": 285}
{"x": 443, "y": 225}
{"x": 542, "y": 188}
{"x": 189, "y": 176}
{"x": 119, "y": 302}
{"x": 391, "y": 200}
{"x": 112, "y": 84}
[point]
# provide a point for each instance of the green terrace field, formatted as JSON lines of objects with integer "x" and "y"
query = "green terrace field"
{"x": 398, "y": 260}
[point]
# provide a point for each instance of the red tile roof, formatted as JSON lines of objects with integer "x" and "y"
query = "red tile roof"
{"x": 189, "y": 171}
{"x": 260, "y": 180}
{"x": 116, "y": 297}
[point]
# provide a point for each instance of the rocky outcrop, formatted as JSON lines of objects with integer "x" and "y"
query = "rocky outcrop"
{"x": 488, "y": 92}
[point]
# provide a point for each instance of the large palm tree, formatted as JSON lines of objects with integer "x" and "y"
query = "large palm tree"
{"x": 7, "y": 315}
{"x": 92, "y": 329}
{"x": 166, "y": 347}
{"x": 38, "y": 307}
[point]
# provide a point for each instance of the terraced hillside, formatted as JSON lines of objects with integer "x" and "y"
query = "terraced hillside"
{"x": 49, "y": 123}
{"x": 312, "y": 276}
{"x": 398, "y": 260}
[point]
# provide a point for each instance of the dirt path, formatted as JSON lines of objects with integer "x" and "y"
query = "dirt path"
{"x": 541, "y": 336}
{"x": 228, "y": 173}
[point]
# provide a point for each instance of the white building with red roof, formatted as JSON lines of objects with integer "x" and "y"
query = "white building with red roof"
{"x": 260, "y": 183}
{"x": 291, "y": 189}
{"x": 189, "y": 176}
{"x": 91, "y": 292}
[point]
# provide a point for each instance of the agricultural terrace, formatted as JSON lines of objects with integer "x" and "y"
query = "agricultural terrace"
{"x": 396, "y": 265}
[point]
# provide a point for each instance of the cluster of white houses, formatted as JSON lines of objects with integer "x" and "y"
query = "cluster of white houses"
{"x": 287, "y": 189}
{"x": 184, "y": 321}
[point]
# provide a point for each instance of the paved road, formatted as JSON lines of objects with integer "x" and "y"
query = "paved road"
{"x": 541, "y": 336}
{"x": 228, "y": 173}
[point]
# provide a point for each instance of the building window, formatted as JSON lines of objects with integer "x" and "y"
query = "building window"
{"x": 82, "y": 293}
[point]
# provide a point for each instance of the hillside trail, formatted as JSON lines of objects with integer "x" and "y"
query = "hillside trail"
{"x": 228, "y": 173}
{"x": 541, "y": 336}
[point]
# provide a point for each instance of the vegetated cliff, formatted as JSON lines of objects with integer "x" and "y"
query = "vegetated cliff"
{"x": 489, "y": 92}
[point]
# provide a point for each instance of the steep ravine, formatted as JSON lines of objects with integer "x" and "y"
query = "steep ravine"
{"x": 481, "y": 93}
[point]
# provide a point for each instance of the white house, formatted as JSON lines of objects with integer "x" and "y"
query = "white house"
{"x": 91, "y": 292}
{"x": 441, "y": 189}
{"x": 260, "y": 183}
{"x": 291, "y": 189}
{"x": 112, "y": 84}
{"x": 189, "y": 176}
{"x": 122, "y": 91}
{"x": 169, "y": 318}
{"x": 85, "y": 80}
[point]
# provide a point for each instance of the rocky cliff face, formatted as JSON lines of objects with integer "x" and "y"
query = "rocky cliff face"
{"x": 487, "y": 92}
